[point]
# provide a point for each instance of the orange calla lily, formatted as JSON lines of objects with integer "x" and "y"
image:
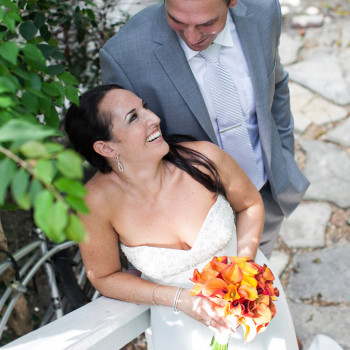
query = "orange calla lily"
{"x": 215, "y": 265}
{"x": 263, "y": 299}
{"x": 247, "y": 292}
{"x": 248, "y": 268}
{"x": 232, "y": 293}
{"x": 208, "y": 275}
{"x": 232, "y": 274}
{"x": 235, "y": 308}
{"x": 197, "y": 289}
{"x": 214, "y": 287}
{"x": 262, "y": 314}
{"x": 249, "y": 281}
{"x": 273, "y": 309}
{"x": 269, "y": 274}
{"x": 196, "y": 276}
{"x": 239, "y": 259}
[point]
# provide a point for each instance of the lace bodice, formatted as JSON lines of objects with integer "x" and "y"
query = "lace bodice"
{"x": 217, "y": 231}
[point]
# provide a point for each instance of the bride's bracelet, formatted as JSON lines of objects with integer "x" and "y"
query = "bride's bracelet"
{"x": 176, "y": 299}
{"x": 154, "y": 288}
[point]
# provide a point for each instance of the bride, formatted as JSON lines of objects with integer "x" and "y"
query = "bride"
{"x": 171, "y": 207}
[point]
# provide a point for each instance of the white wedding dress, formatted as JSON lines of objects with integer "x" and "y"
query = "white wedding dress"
{"x": 175, "y": 267}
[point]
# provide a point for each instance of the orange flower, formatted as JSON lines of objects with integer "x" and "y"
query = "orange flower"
{"x": 232, "y": 293}
{"x": 247, "y": 292}
{"x": 239, "y": 289}
{"x": 232, "y": 274}
{"x": 215, "y": 287}
{"x": 204, "y": 276}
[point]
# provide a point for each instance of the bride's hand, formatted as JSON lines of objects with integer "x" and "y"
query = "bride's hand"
{"x": 201, "y": 310}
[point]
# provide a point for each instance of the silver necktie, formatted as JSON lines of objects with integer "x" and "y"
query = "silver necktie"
{"x": 232, "y": 126}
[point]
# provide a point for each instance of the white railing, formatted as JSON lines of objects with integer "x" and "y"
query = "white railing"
{"x": 102, "y": 324}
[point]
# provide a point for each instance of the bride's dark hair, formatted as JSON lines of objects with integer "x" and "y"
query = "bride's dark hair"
{"x": 86, "y": 124}
{"x": 188, "y": 160}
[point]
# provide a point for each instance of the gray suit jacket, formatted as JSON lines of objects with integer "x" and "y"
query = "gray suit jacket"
{"x": 146, "y": 58}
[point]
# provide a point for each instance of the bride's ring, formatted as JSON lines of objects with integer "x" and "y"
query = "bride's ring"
{"x": 208, "y": 322}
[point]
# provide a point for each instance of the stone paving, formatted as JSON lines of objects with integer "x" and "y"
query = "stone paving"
{"x": 314, "y": 245}
{"x": 313, "y": 249}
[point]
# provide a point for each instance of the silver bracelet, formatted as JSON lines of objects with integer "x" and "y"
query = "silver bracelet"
{"x": 154, "y": 288}
{"x": 176, "y": 299}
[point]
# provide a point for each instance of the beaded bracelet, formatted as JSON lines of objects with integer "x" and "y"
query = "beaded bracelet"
{"x": 176, "y": 299}
{"x": 154, "y": 288}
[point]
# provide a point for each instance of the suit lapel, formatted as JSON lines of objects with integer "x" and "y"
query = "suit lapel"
{"x": 172, "y": 58}
{"x": 249, "y": 35}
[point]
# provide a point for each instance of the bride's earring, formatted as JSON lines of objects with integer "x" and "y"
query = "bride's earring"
{"x": 120, "y": 165}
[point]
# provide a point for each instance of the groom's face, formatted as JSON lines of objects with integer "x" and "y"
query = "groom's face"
{"x": 198, "y": 22}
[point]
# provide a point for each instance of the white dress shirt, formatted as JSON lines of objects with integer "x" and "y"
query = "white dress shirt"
{"x": 232, "y": 57}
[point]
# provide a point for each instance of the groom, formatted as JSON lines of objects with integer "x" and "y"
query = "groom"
{"x": 161, "y": 56}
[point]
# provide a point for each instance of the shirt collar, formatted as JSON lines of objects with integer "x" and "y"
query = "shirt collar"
{"x": 224, "y": 38}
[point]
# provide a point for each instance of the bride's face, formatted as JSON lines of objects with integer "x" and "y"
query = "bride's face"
{"x": 135, "y": 129}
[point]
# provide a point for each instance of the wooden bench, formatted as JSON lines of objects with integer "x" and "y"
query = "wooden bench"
{"x": 103, "y": 324}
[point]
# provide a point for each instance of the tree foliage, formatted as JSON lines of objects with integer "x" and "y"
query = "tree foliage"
{"x": 41, "y": 43}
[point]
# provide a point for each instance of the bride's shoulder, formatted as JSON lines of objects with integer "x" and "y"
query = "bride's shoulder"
{"x": 99, "y": 188}
{"x": 207, "y": 148}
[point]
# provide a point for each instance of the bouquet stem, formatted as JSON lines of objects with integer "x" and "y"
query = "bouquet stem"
{"x": 220, "y": 341}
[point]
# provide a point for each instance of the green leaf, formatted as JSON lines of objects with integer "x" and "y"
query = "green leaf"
{"x": 39, "y": 19}
{"x": 58, "y": 87}
{"x": 6, "y": 85}
{"x": 72, "y": 94}
{"x": 14, "y": 80}
{"x": 9, "y": 21}
{"x": 5, "y": 116}
{"x": 68, "y": 78}
{"x": 28, "y": 30}
{"x": 21, "y": 130}
{"x": 45, "y": 33}
{"x": 47, "y": 50}
{"x": 50, "y": 89}
{"x": 55, "y": 69}
{"x": 33, "y": 149}
{"x": 34, "y": 64}
{"x": 70, "y": 164}
{"x": 36, "y": 93}
{"x": 33, "y": 53}
{"x": 72, "y": 187}
{"x": 59, "y": 56}
{"x": 6, "y": 102}
{"x": 45, "y": 104}
{"x": 7, "y": 170}
{"x": 9, "y": 52}
{"x": 42, "y": 207}
{"x": 44, "y": 170}
{"x": 35, "y": 81}
{"x": 58, "y": 221}
{"x": 77, "y": 204}
{"x": 9, "y": 4}
{"x": 75, "y": 230}
{"x": 20, "y": 73}
{"x": 34, "y": 189}
{"x": 52, "y": 147}
{"x": 30, "y": 102}
{"x": 52, "y": 118}
{"x": 19, "y": 187}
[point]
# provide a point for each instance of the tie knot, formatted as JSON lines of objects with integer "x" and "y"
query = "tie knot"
{"x": 211, "y": 53}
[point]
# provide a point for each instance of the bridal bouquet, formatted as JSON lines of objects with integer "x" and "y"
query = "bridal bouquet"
{"x": 240, "y": 290}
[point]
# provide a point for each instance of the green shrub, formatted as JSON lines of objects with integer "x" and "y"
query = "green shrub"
{"x": 41, "y": 43}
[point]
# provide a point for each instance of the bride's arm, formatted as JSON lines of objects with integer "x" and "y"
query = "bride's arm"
{"x": 244, "y": 198}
